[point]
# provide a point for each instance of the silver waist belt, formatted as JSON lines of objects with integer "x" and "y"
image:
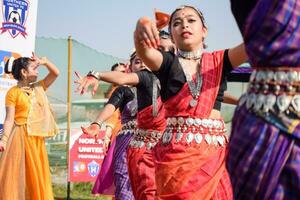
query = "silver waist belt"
{"x": 129, "y": 126}
{"x": 276, "y": 91}
{"x": 147, "y": 138}
{"x": 195, "y": 131}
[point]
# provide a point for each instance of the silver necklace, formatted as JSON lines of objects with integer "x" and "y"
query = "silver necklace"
{"x": 191, "y": 55}
{"x": 194, "y": 87}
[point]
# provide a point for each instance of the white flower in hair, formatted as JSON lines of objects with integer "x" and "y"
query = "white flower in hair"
{"x": 10, "y": 64}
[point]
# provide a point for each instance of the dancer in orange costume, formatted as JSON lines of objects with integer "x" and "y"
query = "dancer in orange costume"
{"x": 24, "y": 166}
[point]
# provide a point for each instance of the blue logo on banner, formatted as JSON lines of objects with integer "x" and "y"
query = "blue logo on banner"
{"x": 15, "y": 16}
{"x": 93, "y": 168}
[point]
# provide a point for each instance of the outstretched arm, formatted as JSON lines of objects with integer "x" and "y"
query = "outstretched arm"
{"x": 95, "y": 127}
{"x": 119, "y": 78}
{"x": 119, "y": 97}
{"x": 114, "y": 77}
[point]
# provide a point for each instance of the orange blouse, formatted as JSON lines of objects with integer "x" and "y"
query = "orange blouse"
{"x": 21, "y": 101}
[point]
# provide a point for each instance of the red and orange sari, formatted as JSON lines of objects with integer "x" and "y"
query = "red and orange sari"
{"x": 190, "y": 158}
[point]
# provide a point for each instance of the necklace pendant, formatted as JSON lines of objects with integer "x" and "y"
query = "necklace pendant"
{"x": 193, "y": 102}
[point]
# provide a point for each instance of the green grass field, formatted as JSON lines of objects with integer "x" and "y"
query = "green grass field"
{"x": 79, "y": 191}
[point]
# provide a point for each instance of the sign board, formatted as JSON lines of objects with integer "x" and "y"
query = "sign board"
{"x": 86, "y": 154}
{"x": 17, "y": 38}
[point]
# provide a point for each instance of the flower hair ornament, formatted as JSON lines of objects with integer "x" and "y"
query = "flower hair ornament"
{"x": 161, "y": 19}
{"x": 10, "y": 64}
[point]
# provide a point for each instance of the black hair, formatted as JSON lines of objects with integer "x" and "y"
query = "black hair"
{"x": 132, "y": 57}
{"x": 200, "y": 14}
{"x": 115, "y": 66}
{"x": 164, "y": 34}
{"x": 17, "y": 66}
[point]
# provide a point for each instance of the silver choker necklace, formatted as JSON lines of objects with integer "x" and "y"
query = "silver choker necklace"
{"x": 192, "y": 55}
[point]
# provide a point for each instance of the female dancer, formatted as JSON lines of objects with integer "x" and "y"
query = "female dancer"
{"x": 104, "y": 184}
{"x": 113, "y": 124}
{"x": 150, "y": 122}
{"x": 190, "y": 159}
{"x": 24, "y": 166}
{"x": 123, "y": 98}
{"x": 264, "y": 151}
{"x": 116, "y": 181}
{"x": 150, "y": 126}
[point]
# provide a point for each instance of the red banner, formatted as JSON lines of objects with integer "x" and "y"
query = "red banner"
{"x": 86, "y": 154}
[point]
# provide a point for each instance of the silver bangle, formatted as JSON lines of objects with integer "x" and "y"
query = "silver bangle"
{"x": 94, "y": 74}
{"x": 99, "y": 123}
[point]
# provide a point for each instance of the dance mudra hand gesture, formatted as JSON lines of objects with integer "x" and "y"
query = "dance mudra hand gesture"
{"x": 39, "y": 61}
{"x": 84, "y": 83}
{"x": 93, "y": 130}
{"x": 147, "y": 33}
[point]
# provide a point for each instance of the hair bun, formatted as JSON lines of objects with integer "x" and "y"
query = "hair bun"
{"x": 10, "y": 64}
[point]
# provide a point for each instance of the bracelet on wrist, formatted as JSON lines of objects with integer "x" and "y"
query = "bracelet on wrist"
{"x": 99, "y": 123}
{"x": 94, "y": 74}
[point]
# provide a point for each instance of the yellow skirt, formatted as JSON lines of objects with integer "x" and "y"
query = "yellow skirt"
{"x": 24, "y": 168}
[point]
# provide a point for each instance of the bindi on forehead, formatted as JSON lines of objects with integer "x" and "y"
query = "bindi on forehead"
{"x": 185, "y": 12}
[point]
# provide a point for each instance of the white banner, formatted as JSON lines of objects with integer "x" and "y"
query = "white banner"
{"x": 18, "y": 26}
{"x": 17, "y": 38}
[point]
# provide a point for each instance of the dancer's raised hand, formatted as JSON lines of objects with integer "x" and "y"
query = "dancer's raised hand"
{"x": 84, "y": 83}
{"x": 147, "y": 33}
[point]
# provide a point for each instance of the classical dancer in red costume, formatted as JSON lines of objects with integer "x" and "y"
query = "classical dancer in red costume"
{"x": 190, "y": 158}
